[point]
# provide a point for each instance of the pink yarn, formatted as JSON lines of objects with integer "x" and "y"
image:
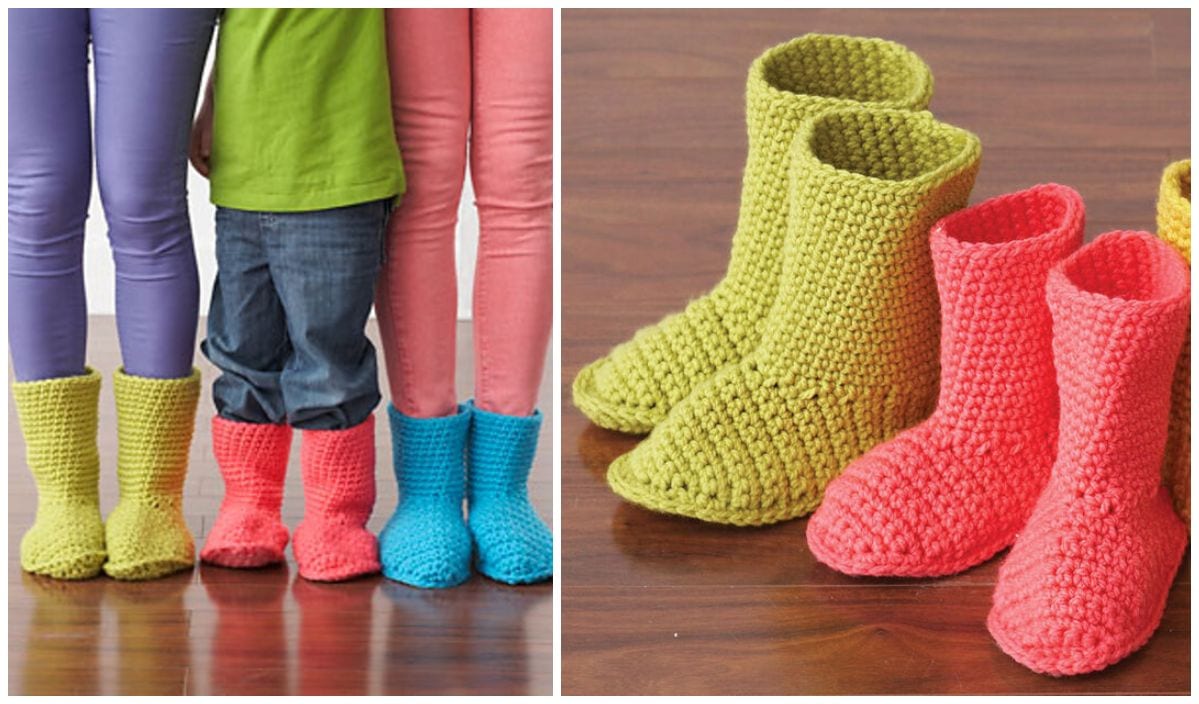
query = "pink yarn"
{"x": 252, "y": 457}
{"x": 1087, "y": 580}
{"x": 951, "y": 492}
{"x": 332, "y": 543}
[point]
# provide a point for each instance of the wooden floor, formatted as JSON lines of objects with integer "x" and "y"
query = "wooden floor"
{"x": 653, "y": 145}
{"x": 222, "y": 631}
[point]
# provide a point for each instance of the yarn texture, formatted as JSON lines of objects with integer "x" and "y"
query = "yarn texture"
{"x": 249, "y": 530}
{"x": 1174, "y": 226}
{"x": 953, "y": 491}
{"x": 332, "y": 543}
{"x": 146, "y": 533}
{"x": 638, "y": 382}
{"x": 1087, "y": 579}
{"x": 59, "y": 420}
{"x": 426, "y": 542}
{"x": 849, "y": 354}
{"x": 512, "y": 543}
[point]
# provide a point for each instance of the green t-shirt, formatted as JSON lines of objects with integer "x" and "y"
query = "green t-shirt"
{"x": 302, "y": 111}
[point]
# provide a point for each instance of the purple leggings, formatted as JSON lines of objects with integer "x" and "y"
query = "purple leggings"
{"x": 147, "y": 65}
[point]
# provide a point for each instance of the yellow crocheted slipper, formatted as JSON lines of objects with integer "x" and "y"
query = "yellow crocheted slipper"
{"x": 1174, "y": 226}
{"x": 850, "y": 352}
{"x": 637, "y": 383}
{"x": 59, "y": 420}
{"x": 147, "y": 535}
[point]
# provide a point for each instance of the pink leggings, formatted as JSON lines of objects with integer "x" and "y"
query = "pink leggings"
{"x": 488, "y": 72}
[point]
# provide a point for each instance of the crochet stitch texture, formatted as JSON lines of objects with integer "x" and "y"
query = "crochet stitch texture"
{"x": 249, "y": 530}
{"x": 951, "y": 492}
{"x": 1087, "y": 579}
{"x": 513, "y": 545}
{"x": 1174, "y": 226}
{"x": 849, "y": 355}
{"x": 338, "y": 470}
{"x": 426, "y": 542}
{"x": 638, "y": 382}
{"x": 146, "y": 533}
{"x": 59, "y": 420}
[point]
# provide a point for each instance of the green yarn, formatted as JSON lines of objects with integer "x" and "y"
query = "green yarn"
{"x": 849, "y": 355}
{"x": 147, "y": 535}
{"x": 637, "y": 383}
{"x": 59, "y": 419}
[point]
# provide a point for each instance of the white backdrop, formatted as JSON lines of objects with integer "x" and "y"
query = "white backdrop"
{"x": 98, "y": 267}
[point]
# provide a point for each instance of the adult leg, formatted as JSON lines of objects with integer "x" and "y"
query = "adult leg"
{"x": 429, "y": 55}
{"x": 49, "y": 184}
{"x": 148, "y": 66}
{"x": 512, "y": 171}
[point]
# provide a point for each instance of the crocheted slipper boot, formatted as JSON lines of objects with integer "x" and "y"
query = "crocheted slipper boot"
{"x": 1087, "y": 580}
{"x": 1174, "y": 226}
{"x": 512, "y": 544}
{"x": 249, "y": 530}
{"x": 850, "y": 351}
{"x": 59, "y": 421}
{"x": 332, "y": 543}
{"x": 637, "y": 383}
{"x": 426, "y": 542}
{"x": 146, "y": 532}
{"x": 953, "y": 491}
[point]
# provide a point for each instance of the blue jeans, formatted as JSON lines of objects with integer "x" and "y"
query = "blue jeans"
{"x": 287, "y": 322}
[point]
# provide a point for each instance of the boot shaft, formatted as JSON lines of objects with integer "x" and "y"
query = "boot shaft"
{"x": 156, "y": 419}
{"x": 991, "y": 263}
{"x": 793, "y": 82}
{"x": 501, "y": 452}
{"x": 252, "y": 458}
{"x": 338, "y": 471}
{"x": 429, "y": 454}
{"x": 1120, "y": 307}
{"x": 858, "y": 297}
{"x": 59, "y": 420}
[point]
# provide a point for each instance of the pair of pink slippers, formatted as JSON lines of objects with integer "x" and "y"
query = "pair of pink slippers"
{"x": 1056, "y": 366}
{"x": 332, "y": 543}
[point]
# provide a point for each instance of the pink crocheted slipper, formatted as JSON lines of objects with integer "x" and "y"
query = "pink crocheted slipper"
{"x": 1087, "y": 580}
{"x": 332, "y": 543}
{"x": 252, "y": 457}
{"x": 951, "y": 492}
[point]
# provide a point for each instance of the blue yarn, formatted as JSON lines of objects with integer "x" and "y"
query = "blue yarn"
{"x": 512, "y": 544}
{"x": 426, "y": 543}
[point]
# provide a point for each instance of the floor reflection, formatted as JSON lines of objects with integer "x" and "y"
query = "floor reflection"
{"x": 266, "y": 631}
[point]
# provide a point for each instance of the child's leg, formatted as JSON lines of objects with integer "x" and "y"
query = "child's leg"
{"x": 429, "y": 56}
{"x": 426, "y": 543}
{"x": 49, "y": 184}
{"x": 247, "y": 340}
{"x": 148, "y": 66}
{"x": 148, "y": 70}
{"x": 512, "y": 170}
{"x": 324, "y": 265}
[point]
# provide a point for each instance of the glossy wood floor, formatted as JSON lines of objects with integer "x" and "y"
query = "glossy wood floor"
{"x": 223, "y": 631}
{"x": 653, "y": 146}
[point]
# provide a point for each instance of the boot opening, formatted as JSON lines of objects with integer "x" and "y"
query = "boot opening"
{"x": 1037, "y": 211}
{"x": 850, "y": 68}
{"x": 1128, "y": 266}
{"x": 889, "y": 145}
